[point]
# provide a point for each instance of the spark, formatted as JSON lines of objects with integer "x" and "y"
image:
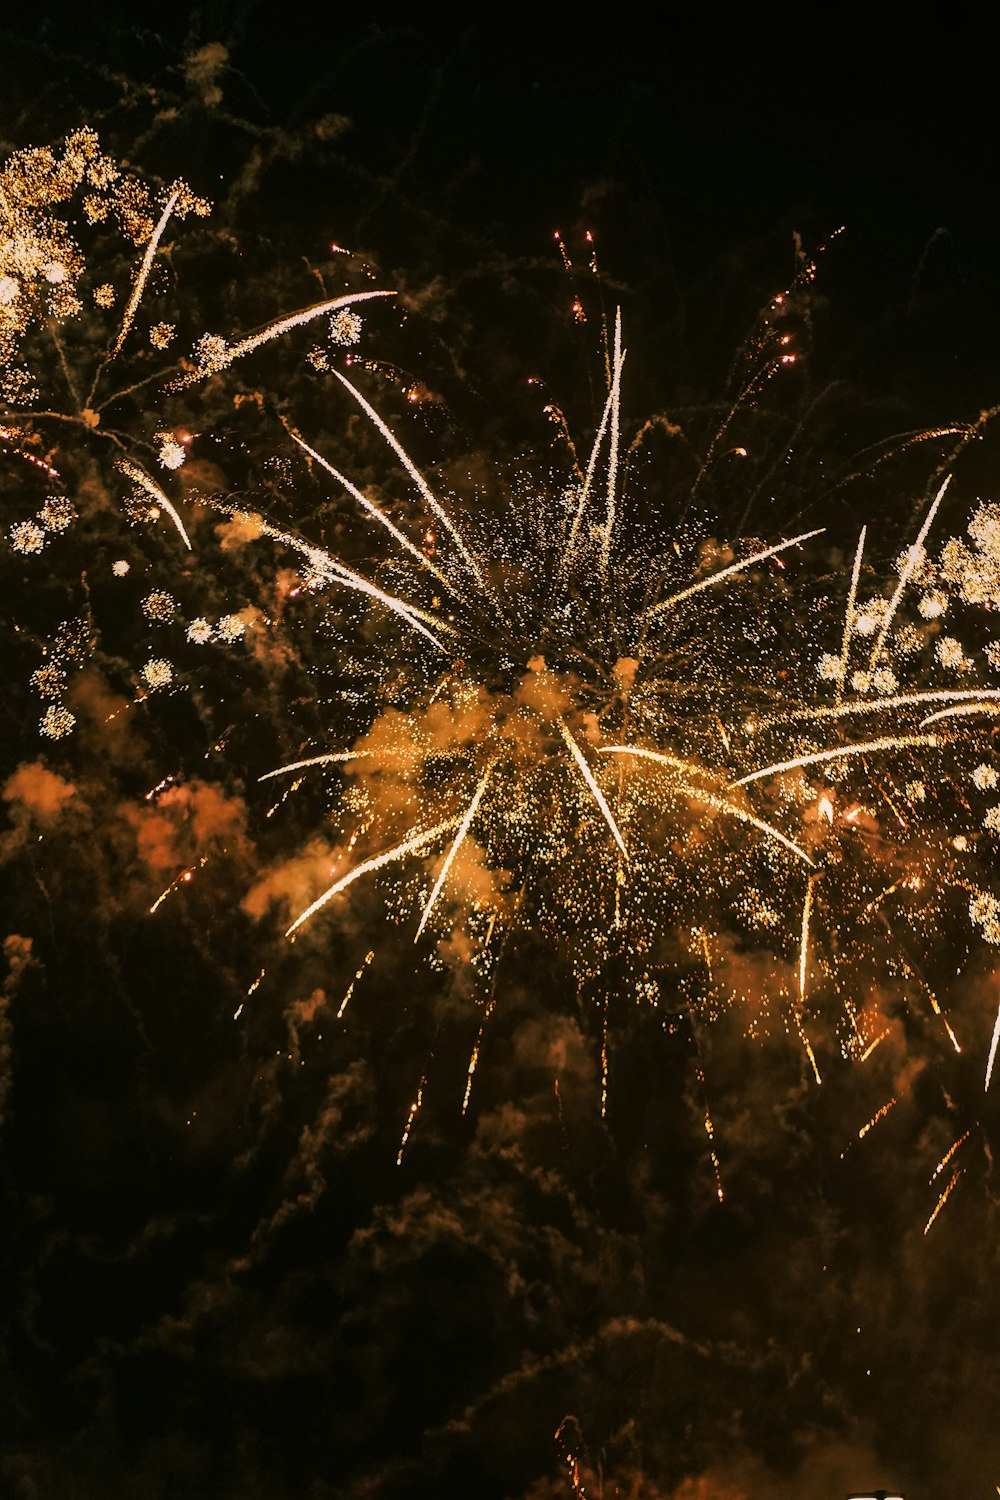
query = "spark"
{"x": 879, "y": 1114}
{"x": 912, "y": 558}
{"x": 869, "y": 747}
{"x": 216, "y": 355}
{"x": 142, "y": 275}
{"x": 418, "y": 1101}
{"x": 314, "y": 760}
{"x": 595, "y": 791}
{"x": 463, "y": 829}
{"x": 946, "y": 1158}
{"x": 350, "y": 988}
{"x": 721, "y": 804}
{"x": 152, "y": 489}
{"x": 944, "y": 1198}
{"x": 994, "y": 1043}
{"x": 731, "y": 571}
{"x": 849, "y": 612}
{"x": 413, "y": 845}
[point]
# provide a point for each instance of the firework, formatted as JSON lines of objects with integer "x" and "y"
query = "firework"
{"x": 641, "y": 741}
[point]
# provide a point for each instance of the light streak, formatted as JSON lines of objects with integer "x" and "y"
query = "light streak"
{"x": 869, "y": 747}
{"x": 350, "y": 988}
{"x": 994, "y": 1043}
{"x": 142, "y": 275}
{"x": 414, "y": 1107}
{"x": 314, "y": 760}
{"x": 721, "y": 804}
{"x": 418, "y": 480}
{"x": 412, "y": 845}
{"x": 943, "y": 1199}
{"x": 463, "y": 829}
{"x": 152, "y": 489}
{"x": 595, "y": 791}
{"x": 912, "y": 558}
{"x": 845, "y": 648}
{"x": 730, "y": 572}
{"x": 225, "y": 354}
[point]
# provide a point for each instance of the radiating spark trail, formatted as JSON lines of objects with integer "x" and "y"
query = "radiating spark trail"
{"x": 350, "y": 988}
{"x": 591, "y": 466}
{"x": 314, "y": 760}
{"x": 730, "y": 572}
{"x": 152, "y": 489}
{"x": 993, "y": 1050}
{"x": 334, "y": 572}
{"x": 879, "y": 1114}
{"x": 142, "y": 275}
{"x": 226, "y": 354}
{"x": 457, "y": 842}
{"x": 474, "y": 1058}
{"x": 410, "y": 1119}
{"x": 913, "y": 556}
{"x": 946, "y": 1158}
{"x": 803, "y": 973}
{"x": 420, "y": 482}
{"x": 943, "y": 1199}
{"x": 876, "y": 705}
{"x": 845, "y": 649}
{"x": 372, "y": 509}
{"x": 721, "y": 804}
{"x": 962, "y": 710}
{"x": 412, "y": 845}
{"x": 595, "y": 791}
{"x": 615, "y": 439}
{"x": 184, "y": 878}
{"x": 891, "y": 742}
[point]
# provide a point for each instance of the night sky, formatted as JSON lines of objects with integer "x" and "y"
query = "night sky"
{"x": 220, "y": 1275}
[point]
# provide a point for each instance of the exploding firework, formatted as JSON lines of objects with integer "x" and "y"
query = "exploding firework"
{"x": 753, "y": 773}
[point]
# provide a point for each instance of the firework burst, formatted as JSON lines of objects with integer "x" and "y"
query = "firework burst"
{"x": 717, "y": 774}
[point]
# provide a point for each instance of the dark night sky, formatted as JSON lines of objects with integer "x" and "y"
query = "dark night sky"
{"x": 215, "y": 1281}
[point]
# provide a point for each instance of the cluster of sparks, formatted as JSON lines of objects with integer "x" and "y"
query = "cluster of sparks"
{"x": 711, "y": 780}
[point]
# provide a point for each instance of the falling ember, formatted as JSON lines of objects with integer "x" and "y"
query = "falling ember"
{"x": 410, "y": 1119}
{"x": 879, "y": 1114}
{"x": 943, "y": 1199}
{"x": 994, "y": 1044}
{"x": 350, "y": 988}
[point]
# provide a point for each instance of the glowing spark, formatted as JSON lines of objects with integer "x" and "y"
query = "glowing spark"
{"x": 412, "y": 845}
{"x": 371, "y": 508}
{"x": 410, "y": 1119}
{"x": 457, "y": 842}
{"x": 153, "y": 490}
{"x": 803, "y": 966}
{"x": 595, "y": 791}
{"x": 609, "y": 407}
{"x": 897, "y": 700}
{"x": 734, "y": 568}
{"x": 912, "y": 558}
{"x": 993, "y": 1050}
{"x": 891, "y": 742}
{"x": 719, "y": 803}
{"x": 849, "y": 613}
{"x": 314, "y": 760}
{"x": 350, "y": 988}
{"x": 879, "y": 1114}
{"x": 961, "y": 711}
{"x": 419, "y": 481}
{"x": 615, "y": 437}
{"x": 142, "y": 275}
{"x": 946, "y": 1158}
{"x": 943, "y": 1199}
{"x": 223, "y": 354}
